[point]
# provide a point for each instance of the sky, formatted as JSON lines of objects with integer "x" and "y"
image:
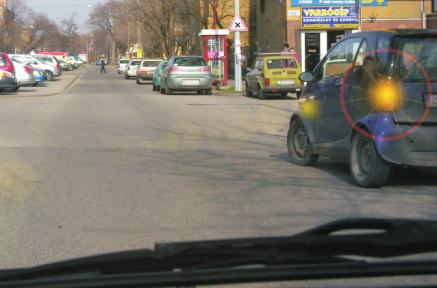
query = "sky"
{"x": 57, "y": 10}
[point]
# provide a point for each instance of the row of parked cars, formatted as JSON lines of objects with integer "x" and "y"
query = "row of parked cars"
{"x": 178, "y": 74}
{"x": 271, "y": 74}
{"x": 18, "y": 70}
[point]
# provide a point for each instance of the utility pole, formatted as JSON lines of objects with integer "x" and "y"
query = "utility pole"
{"x": 238, "y": 77}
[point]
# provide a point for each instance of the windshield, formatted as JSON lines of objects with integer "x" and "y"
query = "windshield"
{"x": 291, "y": 122}
{"x": 281, "y": 63}
{"x": 418, "y": 59}
{"x": 190, "y": 61}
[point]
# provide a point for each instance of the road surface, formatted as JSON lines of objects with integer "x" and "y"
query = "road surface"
{"x": 112, "y": 165}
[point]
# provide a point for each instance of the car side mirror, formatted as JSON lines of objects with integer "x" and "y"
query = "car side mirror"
{"x": 306, "y": 77}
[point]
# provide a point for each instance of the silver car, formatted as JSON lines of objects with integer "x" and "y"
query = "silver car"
{"x": 186, "y": 73}
{"x": 122, "y": 65}
{"x": 147, "y": 69}
{"x": 23, "y": 74}
{"x": 131, "y": 69}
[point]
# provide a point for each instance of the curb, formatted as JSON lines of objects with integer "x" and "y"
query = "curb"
{"x": 66, "y": 88}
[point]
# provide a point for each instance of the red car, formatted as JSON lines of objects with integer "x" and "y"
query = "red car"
{"x": 6, "y": 63}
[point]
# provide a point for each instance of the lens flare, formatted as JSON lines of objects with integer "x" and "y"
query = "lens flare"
{"x": 310, "y": 108}
{"x": 386, "y": 96}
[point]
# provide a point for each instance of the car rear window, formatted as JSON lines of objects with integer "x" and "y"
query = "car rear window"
{"x": 418, "y": 59}
{"x": 151, "y": 63}
{"x": 190, "y": 61}
{"x": 281, "y": 63}
{"x": 135, "y": 63}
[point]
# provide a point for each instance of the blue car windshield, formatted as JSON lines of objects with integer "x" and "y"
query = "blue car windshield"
{"x": 416, "y": 60}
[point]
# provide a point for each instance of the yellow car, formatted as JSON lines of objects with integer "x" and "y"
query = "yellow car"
{"x": 273, "y": 74}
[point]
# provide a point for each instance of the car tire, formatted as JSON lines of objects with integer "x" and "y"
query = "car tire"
{"x": 298, "y": 144}
{"x": 248, "y": 92}
{"x": 15, "y": 89}
{"x": 126, "y": 77}
{"x": 208, "y": 92}
{"x": 153, "y": 87}
{"x": 167, "y": 90}
{"x": 49, "y": 75}
{"x": 367, "y": 168}
{"x": 298, "y": 94}
{"x": 260, "y": 93}
{"x": 138, "y": 81}
{"x": 284, "y": 95}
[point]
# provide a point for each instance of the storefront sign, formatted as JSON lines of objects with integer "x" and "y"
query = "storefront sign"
{"x": 298, "y": 3}
{"x": 329, "y": 18}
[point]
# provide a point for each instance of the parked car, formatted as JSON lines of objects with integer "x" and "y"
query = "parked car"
{"x": 131, "y": 69}
{"x": 157, "y": 76}
{"x": 122, "y": 65}
{"x": 273, "y": 74}
{"x": 67, "y": 60}
{"x": 51, "y": 60}
{"x": 23, "y": 74}
{"x": 6, "y": 63}
{"x": 146, "y": 70}
{"x": 7, "y": 81}
{"x": 64, "y": 65}
{"x": 40, "y": 76}
{"x": 75, "y": 64}
{"x": 186, "y": 73}
{"x": 369, "y": 103}
{"x": 50, "y": 70}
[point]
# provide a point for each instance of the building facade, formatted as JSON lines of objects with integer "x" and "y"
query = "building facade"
{"x": 2, "y": 10}
{"x": 312, "y": 27}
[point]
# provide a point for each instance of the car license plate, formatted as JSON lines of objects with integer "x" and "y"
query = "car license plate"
{"x": 190, "y": 82}
{"x": 285, "y": 82}
{"x": 431, "y": 101}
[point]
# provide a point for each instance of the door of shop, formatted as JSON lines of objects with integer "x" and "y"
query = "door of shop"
{"x": 312, "y": 48}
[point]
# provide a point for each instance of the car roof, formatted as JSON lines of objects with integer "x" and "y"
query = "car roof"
{"x": 395, "y": 32}
{"x": 155, "y": 60}
{"x": 276, "y": 57}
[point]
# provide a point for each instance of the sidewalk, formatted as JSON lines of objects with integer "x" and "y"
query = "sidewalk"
{"x": 48, "y": 88}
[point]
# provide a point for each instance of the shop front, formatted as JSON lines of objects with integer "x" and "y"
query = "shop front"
{"x": 321, "y": 28}
{"x": 320, "y": 24}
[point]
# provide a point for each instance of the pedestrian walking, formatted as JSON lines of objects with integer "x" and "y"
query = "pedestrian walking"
{"x": 102, "y": 66}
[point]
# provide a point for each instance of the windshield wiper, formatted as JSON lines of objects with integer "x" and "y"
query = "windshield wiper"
{"x": 327, "y": 251}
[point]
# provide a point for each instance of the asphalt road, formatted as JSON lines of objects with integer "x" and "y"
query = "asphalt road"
{"x": 112, "y": 165}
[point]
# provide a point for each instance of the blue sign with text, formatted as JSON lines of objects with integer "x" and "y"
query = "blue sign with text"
{"x": 329, "y": 18}
{"x": 310, "y": 3}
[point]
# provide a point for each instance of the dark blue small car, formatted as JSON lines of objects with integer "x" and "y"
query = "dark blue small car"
{"x": 372, "y": 102}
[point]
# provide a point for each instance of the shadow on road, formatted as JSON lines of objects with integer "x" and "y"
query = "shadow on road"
{"x": 401, "y": 177}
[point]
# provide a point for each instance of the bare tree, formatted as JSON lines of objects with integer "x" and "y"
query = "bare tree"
{"x": 69, "y": 32}
{"x": 170, "y": 22}
{"x": 224, "y": 11}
